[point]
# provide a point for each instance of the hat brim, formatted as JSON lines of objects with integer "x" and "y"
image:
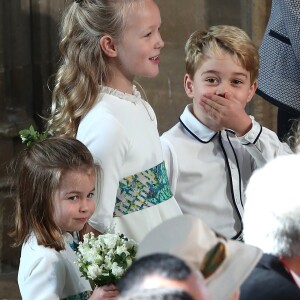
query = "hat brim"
{"x": 189, "y": 238}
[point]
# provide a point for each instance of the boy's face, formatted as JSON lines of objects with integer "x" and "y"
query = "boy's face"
{"x": 218, "y": 75}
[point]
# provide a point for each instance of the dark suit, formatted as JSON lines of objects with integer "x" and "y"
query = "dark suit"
{"x": 269, "y": 281}
{"x": 279, "y": 73}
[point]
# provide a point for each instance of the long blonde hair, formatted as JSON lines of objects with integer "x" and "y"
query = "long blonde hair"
{"x": 84, "y": 67}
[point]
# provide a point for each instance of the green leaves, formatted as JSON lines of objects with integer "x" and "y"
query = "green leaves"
{"x": 30, "y": 136}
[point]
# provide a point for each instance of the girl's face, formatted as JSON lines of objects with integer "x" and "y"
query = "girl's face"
{"x": 139, "y": 48}
{"x": 73, "y": 200}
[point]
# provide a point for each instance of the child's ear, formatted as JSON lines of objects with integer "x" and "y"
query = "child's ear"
{"x": 188, "y": 86}
{"x": 107, "y": 45}
{"x": 252, "y": 91}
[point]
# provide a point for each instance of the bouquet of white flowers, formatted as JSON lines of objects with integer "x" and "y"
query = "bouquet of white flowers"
{"x": 105, "y": 258}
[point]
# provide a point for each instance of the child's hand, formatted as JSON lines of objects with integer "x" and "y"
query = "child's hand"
{"x": 227, "y": 112}
{"x": 105, "y": 292}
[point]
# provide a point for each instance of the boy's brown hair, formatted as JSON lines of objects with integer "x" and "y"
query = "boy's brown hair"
{"x": 217, "y": 40}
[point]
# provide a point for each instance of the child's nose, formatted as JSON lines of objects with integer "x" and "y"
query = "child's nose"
{"x": 84, "y": 206}
{"x": 221, "y": 94}
{"x": 222, "y": 89}
{"x": 159, "y": 43}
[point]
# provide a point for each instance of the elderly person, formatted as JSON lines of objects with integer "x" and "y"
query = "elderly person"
{"x": 272, "y": 223}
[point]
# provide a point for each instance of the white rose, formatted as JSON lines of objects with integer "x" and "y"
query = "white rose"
{"x": 92, "y": 256}
{"x": 116, "y": 270}
{"x": 93, "y": 271}
{"x": 107, "y": 263}
{"x": 122, "y": 249}
{"x": 110, "y": 240}
{"x": 128, "y": 261}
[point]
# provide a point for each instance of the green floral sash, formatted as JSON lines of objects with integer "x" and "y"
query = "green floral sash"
{"x": 139, "y": 191}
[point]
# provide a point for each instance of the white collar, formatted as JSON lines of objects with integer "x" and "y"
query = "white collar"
{"x": 68, "y": 238}
{"x": 195, "y": 127}
{"x": 135, "y": 97}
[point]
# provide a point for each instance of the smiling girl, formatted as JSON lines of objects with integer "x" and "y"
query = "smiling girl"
{"x": 105, "y": 45}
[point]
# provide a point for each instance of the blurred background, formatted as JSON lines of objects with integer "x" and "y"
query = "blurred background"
{"x": 29, "y": 57}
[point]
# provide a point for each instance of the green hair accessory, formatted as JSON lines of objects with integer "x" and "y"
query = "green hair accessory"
{"x": 30, "y": 136}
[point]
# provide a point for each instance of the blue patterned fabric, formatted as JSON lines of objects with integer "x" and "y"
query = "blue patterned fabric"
{"x": 82, "y": 296}
{"x": 74, "y": 246}
{"x": 139, "y": 191}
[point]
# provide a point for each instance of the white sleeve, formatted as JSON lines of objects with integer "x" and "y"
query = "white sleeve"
{"x": 107, "y": 140}
{"x": 170, "y": 159}
{"x": 263, "y": 144}
{"x": 43, "y": 279}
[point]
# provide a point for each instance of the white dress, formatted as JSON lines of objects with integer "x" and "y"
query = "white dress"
{"x": 134, "y": 195}
{"x": 46, "y": 274}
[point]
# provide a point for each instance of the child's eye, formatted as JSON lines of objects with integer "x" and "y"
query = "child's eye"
{"x": 211, "y": 80}
{"x": 73, "y": 198}
{"x": 237, "y": 81}
{"x": 91, "y": 195}
{"x": 148, "y": 34}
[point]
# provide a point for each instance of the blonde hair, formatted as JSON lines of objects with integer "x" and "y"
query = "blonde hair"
{"x": 83, "y": 65}
{"x": 38, "y": 171}
{"x": 217, "y": 40}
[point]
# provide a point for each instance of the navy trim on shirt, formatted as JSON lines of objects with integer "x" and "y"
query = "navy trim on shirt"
{"x": 194, "y": 135}
{"x": 238, "y": 236}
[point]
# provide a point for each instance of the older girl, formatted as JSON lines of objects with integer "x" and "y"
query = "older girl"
{"x": 104, "y": 46}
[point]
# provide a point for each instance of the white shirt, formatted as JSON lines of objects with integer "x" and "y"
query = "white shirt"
{"x": 46, "y": 274}
{"x": 208, "y": 171}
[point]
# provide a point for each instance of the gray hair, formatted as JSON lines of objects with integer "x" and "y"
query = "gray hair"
{"x": 272, "y": 209}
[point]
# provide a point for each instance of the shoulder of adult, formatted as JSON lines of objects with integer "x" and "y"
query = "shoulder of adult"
{"x": 269, "y": 280}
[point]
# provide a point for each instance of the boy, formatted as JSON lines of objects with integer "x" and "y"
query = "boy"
{"x": 211, "y": 153}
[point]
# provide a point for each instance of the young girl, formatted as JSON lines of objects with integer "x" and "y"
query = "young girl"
{"x": 105, "y": 45}
{"x": 55, "y": 182}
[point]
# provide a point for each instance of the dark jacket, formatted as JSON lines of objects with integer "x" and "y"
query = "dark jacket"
{"x": 269, "y": 281}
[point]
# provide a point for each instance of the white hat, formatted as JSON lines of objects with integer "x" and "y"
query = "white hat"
{"x": 190, "y": 239}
